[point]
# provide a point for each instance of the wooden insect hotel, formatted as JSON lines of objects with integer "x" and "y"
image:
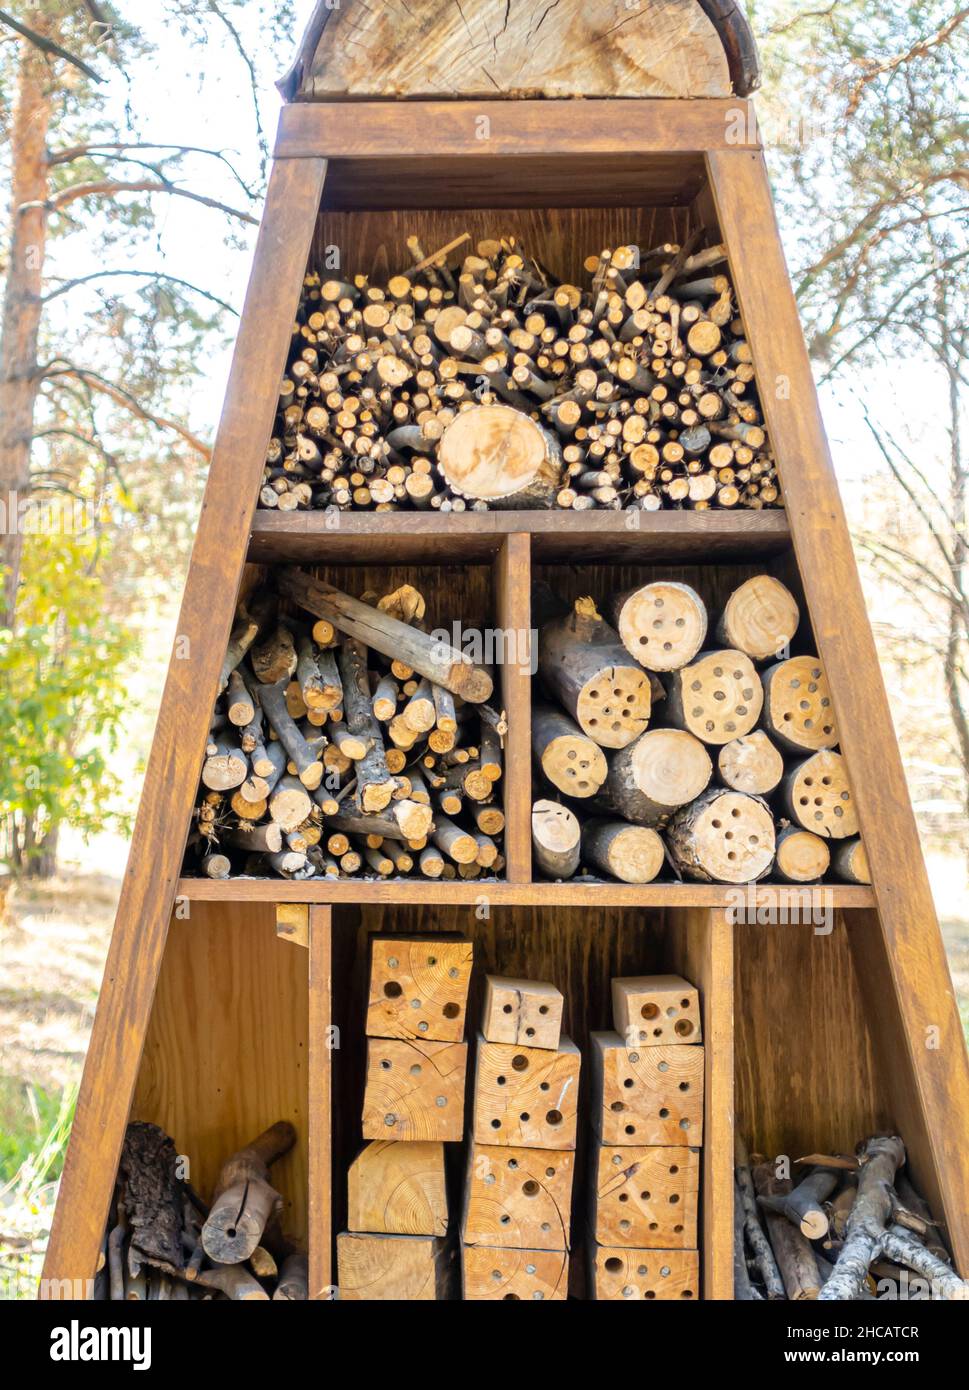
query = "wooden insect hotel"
{"x": 525, "y": 860}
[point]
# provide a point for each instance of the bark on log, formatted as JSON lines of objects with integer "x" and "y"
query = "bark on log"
{"x": 797, "y": 705}
{"x": 803, "y": 1204}
{"x": 152, "y": 1200}
{"x": 244, "y": 1201}
{"x": 651, "y": 778}
{"x": 498, "y": 455}
{"x": 802, "y": 857}
{"x": 850, "y": 862}
{"x": 375, "y": 786}
{"x": 571, "y": 761}
{"x": 274, "y": 660}
{"x": 817, "y": 796}
{"x": 870, "y": 1216}
{"x": 585, "y": 667}
{"x": 759, "y": 1244}
{"x": 662, "y": 625}
{"x": 441, "y": 663}
{"x": 556, "y": 839}
{"x": 723, "y": 837}
{"x": 750, "y": 764}
{"x": 793, "y": 1252}
{"x": 629, "y": 853}
{"x": 308, "y": 768}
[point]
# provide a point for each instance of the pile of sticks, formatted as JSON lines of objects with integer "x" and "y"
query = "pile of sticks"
{"x": 353, "y": 745}
{"x": 717, "y": 757}
{"x": 842, "y": 1229}
{"x": 474, "y": 379}
{"x": 164, "y": 1242}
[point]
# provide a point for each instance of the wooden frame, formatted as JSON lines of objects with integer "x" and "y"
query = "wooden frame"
{"x": 897, "y": 948}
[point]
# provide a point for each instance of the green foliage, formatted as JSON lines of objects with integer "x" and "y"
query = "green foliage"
{"x": 34, "y": 1127}
{"x": 62, "y": 700}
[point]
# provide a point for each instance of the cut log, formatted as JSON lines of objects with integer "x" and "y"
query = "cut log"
{"x": 393, "y": 1269}
{"x": 803, "y": 1205}
{"x": 556, "y": 838}
{"x": 663, "y": 770}
{"x": 293, "y": 1282}
{"x": 718, "y": 697}
{"x": 792, "y": 1251}
{"x": 629, "y": 853}
{"x": 871, "y": 1214}
{"x": 571, "y": 761}
{"x": 750, "y": 764}
{"x": 418, "y": 988}
{"x": 442, "y": 664}
{"x": 151, "y": 1197}
{"x": 645, "y": 1095}
{"x": 662, "y": 625}
{"x": 656, "y": 1009}
{"x": 243, "y": 1201}
{"x": 498, "y": 455}
{"x": 520, "y": 1198}
{"x": 239, "y": 703}
{"x": 274, "y": 660}
{"x": 850, "y": 862}
{"x": 414, "y": 1090}
{"x": 797, "y": 705}
{"x": 585, "y": 667}
{"x": 490, "y": 1274}
{"x": 646, "y": 1198}
{"x": 526, "y": 1097}
{"x": 308, "y": 768}
{"x": 760, "y": 1247}
{"x": 759, "y": 618}
{"x": 224, "y": 768}
{"x": 458, "y": 844}
{"x": 398, "y": 1189}
{"x": 818, "y": 797}
{"x": 723, "y": 837}
{"x": 521, "y": 1011}
{"x": 802, "y": 856}
{"x": 375, "y": 786}
{"x": 290, "y": 803}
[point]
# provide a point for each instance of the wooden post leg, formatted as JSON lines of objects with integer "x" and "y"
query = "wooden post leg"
{"x": 701, "y": 950}
{"x": 910, "y": 943}
{"x": 321, "y": 1041}
{"x": 154, "y": 862}
{"x": 514, "y": 621}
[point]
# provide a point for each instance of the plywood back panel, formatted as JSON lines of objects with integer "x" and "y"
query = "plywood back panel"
{"x": 226, "y": 1050}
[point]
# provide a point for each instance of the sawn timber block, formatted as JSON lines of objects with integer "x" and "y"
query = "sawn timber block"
{"x": 623, "y": 1276}
{"x": 414, "y": 1090}
{"x": 418, "y": 988}
{"x": 646, "y": 1198}
{"x": 646, "y": 1095}
{"x": 396, "y": 1188}
{"x": 518, "y": 1197}
{"x": 490, "y": 1274}
{"x": 521, "y": 1011}
{"x": 393, "y": 1269}
{"x": 526, "y": 1097}
{"x": 656, "y": 1009}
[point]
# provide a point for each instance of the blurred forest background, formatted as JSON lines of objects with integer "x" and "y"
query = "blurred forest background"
{"x": 133, "y": 153}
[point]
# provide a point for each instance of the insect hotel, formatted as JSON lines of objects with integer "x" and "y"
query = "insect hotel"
{"x": 525, "y": 900}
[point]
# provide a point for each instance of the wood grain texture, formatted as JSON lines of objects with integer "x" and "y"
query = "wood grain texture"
{"x": 225, "y": 1050}
{"x": 154, "y": 862}
{"x": 911, "y": 940}
{"x": 480, "y": 49}
{"x": 514, "y": 606}
{"x": 623, "y": 1276}
{"x": 320, "y": 1041}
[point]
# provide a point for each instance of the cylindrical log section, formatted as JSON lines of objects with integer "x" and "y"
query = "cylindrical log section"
{"x": 663, "y": 770}
{"x": 750, "y": 764}
{"x": 572, "y": 762}
{"x": 629, "y": 853}
{"x": 802, "y": 857}
{"x": 759, "y": 618}
{"x": 723, "y": 837}
{"x": 498, "y": 455}
{"x": 818, "y": 798}
{"x": 661, "y": 625}
{"x": 556, "y": 838}
{"x": 850, "y": 862}
{"x": 585, "y": 667}
{"x": 797, "y": 705}
{"x": 718, "y": 697}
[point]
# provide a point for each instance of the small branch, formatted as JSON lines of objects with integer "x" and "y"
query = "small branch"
{"x": 142, "y": 274}
{"x": 104, "y": 149}
{"x": 124, "y": 398}
{"x": 111, "y": 187}
{"x": 48, "y": 46}
{"x": 918, "y": 50}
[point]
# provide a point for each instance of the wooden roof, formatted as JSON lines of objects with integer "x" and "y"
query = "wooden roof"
{"x": 493, "y": 49}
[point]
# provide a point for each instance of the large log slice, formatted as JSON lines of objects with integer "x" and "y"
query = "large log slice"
{"x": 651, "y": 778}
{"x": 723, "y": 837}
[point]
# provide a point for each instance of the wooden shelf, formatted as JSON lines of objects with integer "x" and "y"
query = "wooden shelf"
{"x": 571, "y": 894}
{"x": 463, "y": 538}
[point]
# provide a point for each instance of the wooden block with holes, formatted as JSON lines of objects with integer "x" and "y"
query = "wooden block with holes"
{"x": 418, "y": 988}
{"x": 645, "y": 1198}
{"x": 656, "y": 1009}
{"x": 414, "y": 1090}
{"x": 625, "y": 1276}
{"x": 490, "y": 1274}
{"x": 398, "y": 1189}
{"x": 646, "y": 1095}
{"x": 393, "y": 1269}
{"x": 518, "y": 1197}
{"x": 522, "y": 1011}
{"x": 526, "y": 1096}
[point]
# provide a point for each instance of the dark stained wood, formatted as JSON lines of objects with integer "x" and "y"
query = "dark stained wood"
{"x": 137, "y": 945}
{"x": 320, "y": 1071}
{"x": 912, "y": 942}
{"x": 418, "y": 538}
{"x": 738, "y": 41}
{"x": 514, "y": 605}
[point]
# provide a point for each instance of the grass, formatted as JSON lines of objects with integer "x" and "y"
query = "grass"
{"x": 35, "y": 1153}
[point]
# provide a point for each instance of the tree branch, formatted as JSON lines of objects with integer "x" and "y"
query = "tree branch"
{"x": 60, "y": 368}
{"x": 103, "y": 149}
{"x": 141, "y": 274}
{"x": 48, "y": 46}
{"x": 109, "y": 187}
{"x": 253, "y": 81}
{"x": 918, "y": 50}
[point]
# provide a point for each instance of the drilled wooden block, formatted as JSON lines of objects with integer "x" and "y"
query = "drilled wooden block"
{"x": 526, "y": 1097}
{"x": 646, "y": 1095}
{"x": 521, "y": 1011}
{"x": 623, "y": 1276}
{"x": 393, "y": 1269}
{"x": 646, "y": 1198}
{"x": 418, "y": 988}
{"x": 656, "y": 1009}
{"x": 491, "y": 1273}
{"x": 398, "y": 1189}
{"x": 414, "y": 1090}
{"x": 518, "y": 1197}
